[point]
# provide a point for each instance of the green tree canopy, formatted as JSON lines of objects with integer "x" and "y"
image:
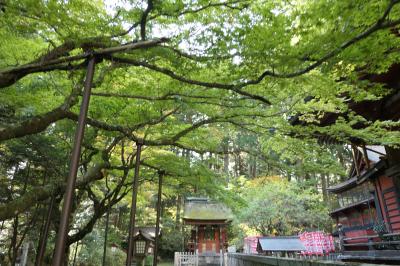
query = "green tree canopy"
{"x": 276, "y": 207}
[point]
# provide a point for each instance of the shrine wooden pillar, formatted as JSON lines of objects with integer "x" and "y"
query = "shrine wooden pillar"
{"x": 196, "y": 243}
{"x": 220, "y": 239}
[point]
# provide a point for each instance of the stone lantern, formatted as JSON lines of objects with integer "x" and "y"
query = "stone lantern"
{"x": 143, "y": 244}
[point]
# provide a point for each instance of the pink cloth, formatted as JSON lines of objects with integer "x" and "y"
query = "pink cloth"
{"x": 317, "y": 243}
{"x": 250, "y": 244}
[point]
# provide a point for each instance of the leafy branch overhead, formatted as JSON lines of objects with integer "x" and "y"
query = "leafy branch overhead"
{"x": 54, "y": 59}
{"x": 218, "y": 92}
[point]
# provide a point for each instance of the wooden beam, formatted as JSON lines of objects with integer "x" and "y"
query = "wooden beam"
{"x": 366, "y": 159}
{"x": 354, "y": 153}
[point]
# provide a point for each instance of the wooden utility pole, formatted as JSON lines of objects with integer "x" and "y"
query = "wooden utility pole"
{"x": 105, "y": 238}
{"x": 157, "y": 240}
{"x": 62, "y": 234}
{"x": 135, "y": 186}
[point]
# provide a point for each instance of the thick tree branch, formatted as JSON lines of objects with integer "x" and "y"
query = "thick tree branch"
{"x": 178, "y": 14}
{"x": 228, "y": 4}
{"x": 125, "y": 130}
{"x": 69, "y": 45}
{"x": 231, "y": 87}
{"x": 198, "y": 58}
{"x": 143, "y": 20}
{"x": 382, "y": 23}
{"x": 100, "y": 208}
{"x": 39, "y": 123}
{"x": 11, "y": 75}
{"x": 180, "y": 97}
{"x": 38, "y": 194}
{"x": 57, "y": 187}
{"x": 172, "y": 140}
{"x": 166, "y": 97}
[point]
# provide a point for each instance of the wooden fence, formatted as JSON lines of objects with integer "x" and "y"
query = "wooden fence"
{"x": 186, "y": 258}
{"x": 194, "y": 259}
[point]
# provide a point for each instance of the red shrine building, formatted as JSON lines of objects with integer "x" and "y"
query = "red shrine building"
{"x": 368, "y": 202}
{"x": 368, "y": 207}
{"x": 208, "y": 221}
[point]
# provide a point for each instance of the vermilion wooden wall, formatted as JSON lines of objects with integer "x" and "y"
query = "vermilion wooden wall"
{"x": 389, "y": 202}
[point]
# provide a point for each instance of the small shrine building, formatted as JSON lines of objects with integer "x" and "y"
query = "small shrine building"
{"x": 209, "y": 221}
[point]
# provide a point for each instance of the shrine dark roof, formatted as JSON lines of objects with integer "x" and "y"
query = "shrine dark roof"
{"x": 146, "y": 230}
{"x": 285, "y": 243}
{"x": 349, "y": 183}
{"x": 354, "y": 181}
{"x": 205, "y": 209}
{"x": 143, "y": 235}
{"x": 385, "y": 108}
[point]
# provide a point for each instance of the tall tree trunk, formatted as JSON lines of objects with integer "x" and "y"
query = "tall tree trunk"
{"x": 236, "y": 165}
{"x": 324, "y": 187}
{"x": 13, "y": 250}
{"x": 340, "y": 153}
{"x": 307, "y": 177}
{"x": 75, "y": 253}
{"x": 178, "y": 211}
{"x": 105, "y": 237}
{"x": 44, "y": 233}
{"x": 240, "y": 164}
{"x": 254, "y": 172}
{"x": 328, "y": 181}
{"x": 226, "y": 161}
